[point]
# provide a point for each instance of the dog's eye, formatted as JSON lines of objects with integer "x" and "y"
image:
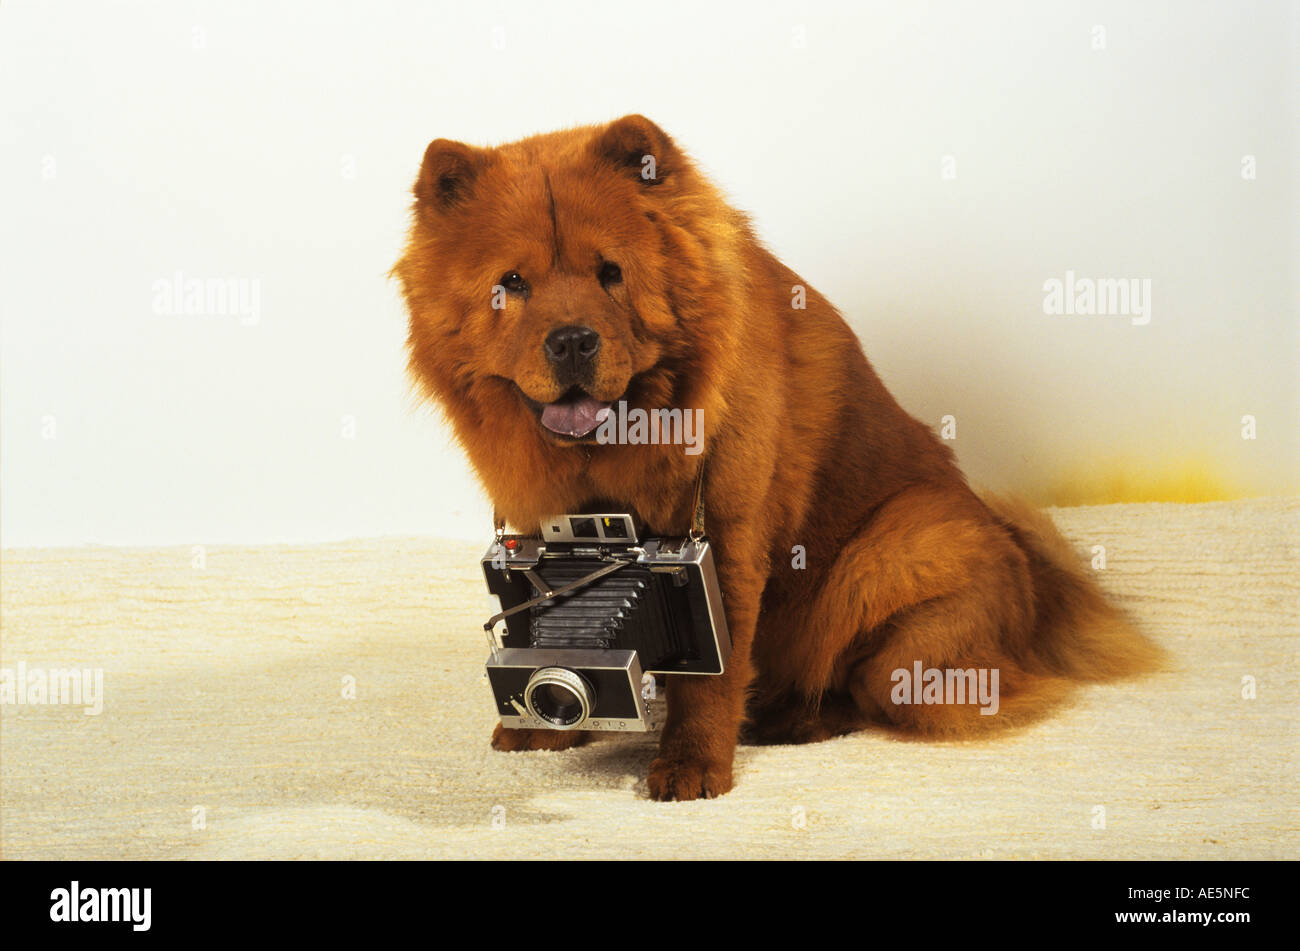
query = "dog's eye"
{"x": 609, "y": 273}
{"x": 514, "y": 282}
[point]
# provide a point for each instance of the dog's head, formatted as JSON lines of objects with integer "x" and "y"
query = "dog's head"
{"x": 555, "y": 276}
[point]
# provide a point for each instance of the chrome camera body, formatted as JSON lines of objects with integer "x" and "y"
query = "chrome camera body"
{"x": 590, "y": 609}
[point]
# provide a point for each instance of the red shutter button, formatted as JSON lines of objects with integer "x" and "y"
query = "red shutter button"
{"x": 511, "y": 544}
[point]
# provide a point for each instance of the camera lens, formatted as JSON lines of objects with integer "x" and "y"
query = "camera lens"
{"x": 559, "y": 702}
{"x": 559, "y": 696}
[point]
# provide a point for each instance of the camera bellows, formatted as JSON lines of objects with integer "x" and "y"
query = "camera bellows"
{"x": 627, "y": 606}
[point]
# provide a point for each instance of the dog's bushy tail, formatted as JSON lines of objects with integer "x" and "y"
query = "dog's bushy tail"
{"x": 1079, "y": 634}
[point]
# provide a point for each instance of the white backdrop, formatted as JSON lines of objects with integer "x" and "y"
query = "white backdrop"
{"x": 927, "y": 166}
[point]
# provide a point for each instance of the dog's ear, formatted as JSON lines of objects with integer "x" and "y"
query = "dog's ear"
{"x": 447, "y": 173}
{"x": 637, "y": 146}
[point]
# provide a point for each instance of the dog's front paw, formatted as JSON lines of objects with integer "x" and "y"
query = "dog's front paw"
{"x": 684, "y": 778}
{"x": 513, "y": 740}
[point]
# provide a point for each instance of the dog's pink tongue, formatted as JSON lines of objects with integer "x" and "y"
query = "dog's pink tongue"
{"x": 575, "y": 417}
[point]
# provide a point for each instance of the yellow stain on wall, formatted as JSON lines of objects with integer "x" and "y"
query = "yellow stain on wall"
{"x": 1104, "y": 482}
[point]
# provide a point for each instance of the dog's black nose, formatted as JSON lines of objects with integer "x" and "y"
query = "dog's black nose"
{"x": 570, "y": 350}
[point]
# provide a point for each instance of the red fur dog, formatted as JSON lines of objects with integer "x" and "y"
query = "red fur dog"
{"x": 550, "y": 278}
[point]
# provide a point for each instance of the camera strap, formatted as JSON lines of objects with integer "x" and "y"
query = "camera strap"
{"x": 697, "y": 510}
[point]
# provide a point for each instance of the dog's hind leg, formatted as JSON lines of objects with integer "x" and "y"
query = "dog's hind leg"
{"x": 925, "y": 543}
{"x": 931, "y": 579}
{"x": 968, "y": 685}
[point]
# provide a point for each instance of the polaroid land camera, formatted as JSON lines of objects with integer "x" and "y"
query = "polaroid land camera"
{"x": 588, "y": 609}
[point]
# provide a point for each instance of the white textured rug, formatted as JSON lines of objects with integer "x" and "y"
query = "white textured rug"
{"x": 225, "y": 732}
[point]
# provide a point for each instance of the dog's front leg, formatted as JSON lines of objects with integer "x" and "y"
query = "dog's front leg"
{"x": 705, "y": 712}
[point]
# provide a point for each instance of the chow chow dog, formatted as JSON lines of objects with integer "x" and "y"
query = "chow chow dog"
{"x": 551, "y": 280}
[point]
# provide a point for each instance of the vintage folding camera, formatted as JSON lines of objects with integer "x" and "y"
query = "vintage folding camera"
{"x": 590, "y": 609}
